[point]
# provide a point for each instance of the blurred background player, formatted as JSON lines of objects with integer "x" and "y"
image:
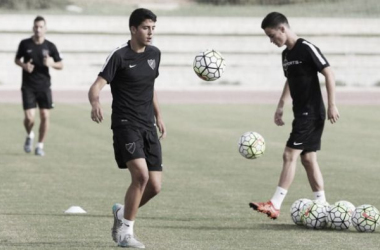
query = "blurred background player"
{"x": 301, "y": 62}
{"x": 38, "y": 56}
{"x": 131, "y": 70}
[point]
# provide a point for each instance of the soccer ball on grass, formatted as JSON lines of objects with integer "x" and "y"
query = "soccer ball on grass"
{"x": 314, "y": 214}
{"x": 296, "y": 210}
{"x": 366, "y": 218}
{"x": 349, "y": 205}
{"x": 339, "y": 216}
{"x": 251, "y": 145}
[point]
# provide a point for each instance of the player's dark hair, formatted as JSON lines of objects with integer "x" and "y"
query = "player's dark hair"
{"x": 273, "y": 20}
{"x": 39, "y": 18}
{"x": 140, "y": 15}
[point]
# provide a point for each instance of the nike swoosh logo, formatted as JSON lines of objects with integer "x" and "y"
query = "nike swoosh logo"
{"x": 132, "y": 66}
{"x": 296, "y": 143}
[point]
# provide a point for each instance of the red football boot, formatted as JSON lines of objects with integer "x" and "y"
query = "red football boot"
{"x": 266, "y": 208}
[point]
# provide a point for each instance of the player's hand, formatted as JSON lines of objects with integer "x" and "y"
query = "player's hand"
{"x": 278, "y": 117}
{"x": 332, "y": 114}
{"x": 48, "y": 61}
{"x": 29, "y": 67}
{"x": 161, "y": 128}
{"x": 97, "y": 114}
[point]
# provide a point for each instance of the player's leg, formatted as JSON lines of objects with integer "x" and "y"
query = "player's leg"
{"x": 139, "y": 176}
{"x": 29, "y": 106}
{"x": 309, "y": 159}
{"x": 44, "y": 126}
{"x": 146, "y": 172}
{"x": 272, "y": 207}
{"x": 153, "y": 186}
{"x": 290, "y": 157}
{"x": 153, "y": 156}
{"x": 129, "y": 153}
{"x": 314, "y": 174}
{"x": 29, "y": 116}
{"x": 45, "y": 103}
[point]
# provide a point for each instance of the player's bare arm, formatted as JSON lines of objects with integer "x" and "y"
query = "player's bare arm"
{"x": 280, "y": 107}
{"x": 28, "y": 66}
{"x": 332, "y": 110}
{"x": 49, "y": 62}
{"x": 159, "y": 120}
{"x": 93, "y": 97}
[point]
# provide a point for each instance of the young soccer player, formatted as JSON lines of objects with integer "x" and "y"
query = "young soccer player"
{"x": 38, "y": 56}
{"x": 131, "y": 70}
{"x": 301, "y": 62}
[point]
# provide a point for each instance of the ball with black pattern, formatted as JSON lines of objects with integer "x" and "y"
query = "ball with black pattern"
{"x": 366, "y": 218}
{"x": 314, "y": 214}
{"x": 209, "y": 65}
{"x": 339, "y": 217}
{"x": 251, "y": 145}
{"x": 296, "y": 210}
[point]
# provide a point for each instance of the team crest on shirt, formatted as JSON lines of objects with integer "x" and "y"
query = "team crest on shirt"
{"x": 152, "y": 63}
{"x": 131, "y": 147}
{"x": 45, "y": 52}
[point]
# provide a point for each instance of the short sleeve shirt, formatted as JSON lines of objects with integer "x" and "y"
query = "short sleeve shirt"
{"x": 301, "y": 65}
{"x": 39, "y": 79}
{"x": 131, "y": 76}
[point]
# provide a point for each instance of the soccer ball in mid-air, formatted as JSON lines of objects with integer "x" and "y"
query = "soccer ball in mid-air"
{"x": 251, "y": 145}
{"x": 296, "y": 210}
{"x": 209, "y": 65}
{"x": 339, "y": 216}
{"x": 365, "y": 218}
{"x": 314, "y": 215}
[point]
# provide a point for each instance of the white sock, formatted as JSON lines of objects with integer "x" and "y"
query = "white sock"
{"x": 278, "y": 197}
{"x": 40, "y": 145}
{"x": 31, "y": 135}
{"x": 320, "y": 196}
{"x": 129, "y": 224}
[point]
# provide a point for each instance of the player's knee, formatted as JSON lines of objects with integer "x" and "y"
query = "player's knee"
{"x": 29, "y": 119}
{"x": 44, "y": 116}
{"x": 307, "y": 161}
{"x": 288, "y": 157}
{"x": 156, "y": 188}
{"x": 141, "y": 179}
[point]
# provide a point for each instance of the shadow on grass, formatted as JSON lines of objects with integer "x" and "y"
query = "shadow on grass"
{"x": 59, "y": 215}
{"x": 272, "y": 227}
{"x": 59, "y": 244}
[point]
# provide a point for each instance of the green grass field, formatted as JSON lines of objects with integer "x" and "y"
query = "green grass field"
{"x": 207, "y": 184}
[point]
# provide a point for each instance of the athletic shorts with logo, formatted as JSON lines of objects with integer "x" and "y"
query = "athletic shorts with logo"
{"x": 306, "y": 134}
{"x": 131, "y": 143}
{"x": 31, "y": 98}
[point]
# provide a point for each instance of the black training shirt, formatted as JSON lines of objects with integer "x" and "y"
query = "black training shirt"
{"x": 39, "y": 79}
{"x": 131, "y": 76}
{"x": 301, "y": 65}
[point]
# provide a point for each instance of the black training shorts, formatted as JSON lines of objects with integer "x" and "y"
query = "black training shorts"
{"x": 30, "y": 98}
{"x": 131, "y": 143}
{"x": 306, "y": 134}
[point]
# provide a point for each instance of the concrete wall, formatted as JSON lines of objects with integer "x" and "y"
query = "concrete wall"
{"x": 352, "y": 47}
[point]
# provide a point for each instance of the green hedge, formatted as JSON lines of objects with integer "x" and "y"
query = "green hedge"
{"x": 32, "y": 4}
